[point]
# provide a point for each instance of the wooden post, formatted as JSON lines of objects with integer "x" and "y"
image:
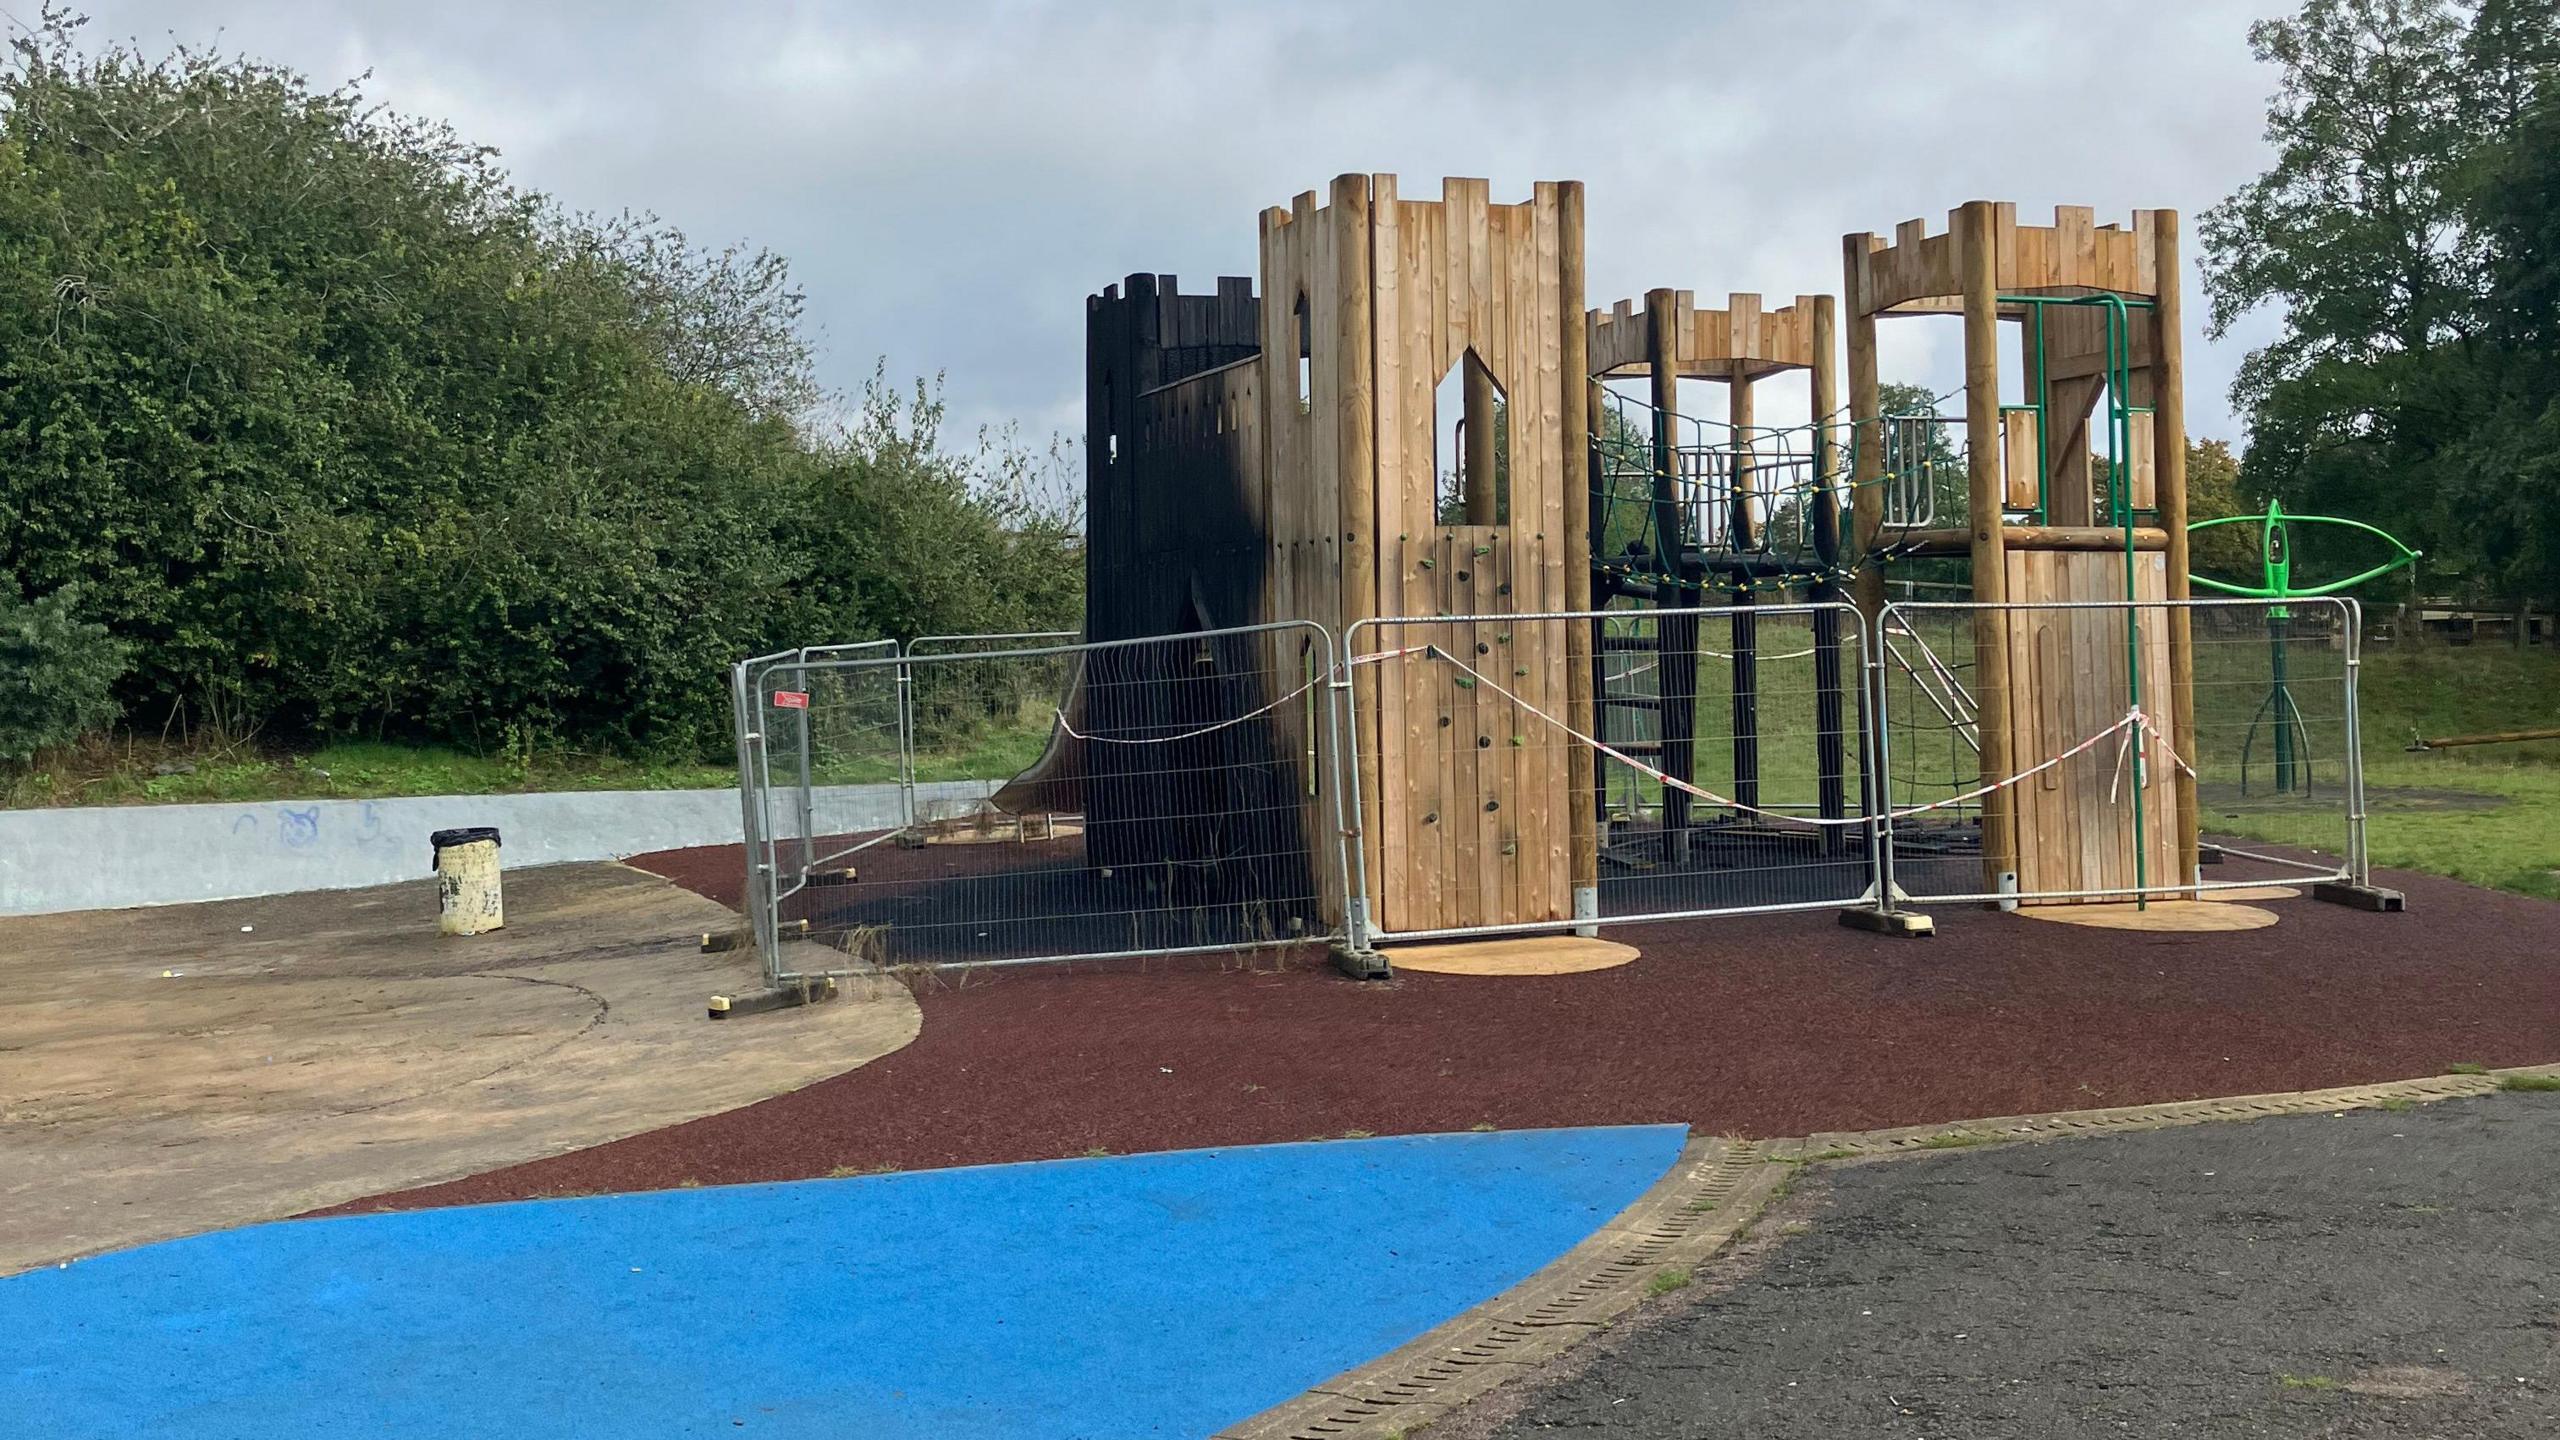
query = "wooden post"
{"x": 1675, "y": 636}
{"x": 2169, "y": 458}
{"x": 1738, "y": 414}
{"x": 1356, "y": 462}
{"x": 1580, "y": 415}
{"x": 1830, "y": 710}
{"x": 1662, "y": 364}
{"x": 1866, "y": 497}
{"x": 1978, "y": 270}
{"x": 1826, "y": 472}
{"x": 1744, "y": 627}
{"x": 1866, "y": 434}
{"x": 1482, "y": 502}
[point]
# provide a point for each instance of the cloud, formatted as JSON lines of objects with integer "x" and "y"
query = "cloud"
{"x": 951, "y": 182}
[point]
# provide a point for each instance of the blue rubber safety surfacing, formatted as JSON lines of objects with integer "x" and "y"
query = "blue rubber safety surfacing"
{"x": 1143, "y": 1295}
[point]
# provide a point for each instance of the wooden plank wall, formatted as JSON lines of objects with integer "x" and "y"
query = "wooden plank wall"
{"x": 1176, "y": 541}
{"x": 1474, "y": 825}
{"x": 1467, "y": 820}
{"x": 1144, "y": 521}
{"x": 1708, "y": 343}
{"x": 1300, "y": 503}
{"x": 1917, "y": 271}
{"x": 2067, "y": 669}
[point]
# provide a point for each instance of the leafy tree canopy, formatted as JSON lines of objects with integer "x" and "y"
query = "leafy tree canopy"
{"x": 341, "y": 431}
{"x": 2409, "y": 230}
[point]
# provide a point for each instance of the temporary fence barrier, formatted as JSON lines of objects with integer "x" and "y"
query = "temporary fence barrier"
{"x": 791, "y": 708}
{"x": 1101, "y": 799}
{"x": 2086, "y": 799}
{"x": 1724, "y": 764}
{"x": 1066, "y": 800}
{"x": 954, "y": 645}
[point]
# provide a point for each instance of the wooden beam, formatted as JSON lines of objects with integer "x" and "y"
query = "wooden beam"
{"x": 2508, "y": 737}
{"x": 1355, "y": 456}
{"x": 1958, "y": 540}
{"x": 1826, "y": 472}
{"x": 2169, "y": 457}
{"x": 1738, "y": 413}
{"x": 1675, "y": 636}
{"x": 1866, "y": 436}
{"x": 1661, "y": 311}
{"x": 1476, "y": 465}
{"x": 1582, "y": 776}
{"x": 1977, "y": 267}
{"x": 2069, "y": 495}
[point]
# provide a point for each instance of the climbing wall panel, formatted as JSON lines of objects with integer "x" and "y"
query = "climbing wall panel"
{"x": 1472, "y": 813}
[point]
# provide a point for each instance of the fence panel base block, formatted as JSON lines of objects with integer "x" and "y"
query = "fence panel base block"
{"x": 2360, "y": 897}
{"x": 1906, "y": 924}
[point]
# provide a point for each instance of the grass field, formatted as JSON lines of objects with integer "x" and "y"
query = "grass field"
{"x": 2489, "y": 814}
{"x": 150, "y": 772}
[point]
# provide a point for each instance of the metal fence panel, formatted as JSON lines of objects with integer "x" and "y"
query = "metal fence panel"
{"x": 2092, "y": 781}
{"x": 1727, "y": 766}
{"x": 998, "y": 640}
{"x": 807, "y": 723}
{"x": 1070, "y": 800}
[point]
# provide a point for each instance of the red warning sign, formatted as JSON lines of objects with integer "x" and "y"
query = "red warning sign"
{"x": 791, "y": 699}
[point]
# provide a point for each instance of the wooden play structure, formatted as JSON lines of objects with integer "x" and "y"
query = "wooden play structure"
{"x": 1707, "y": 509}
{"x": 2096, "y": 315}
{"x": 1298, "y": 478}
{"x": 1403, "y": 421}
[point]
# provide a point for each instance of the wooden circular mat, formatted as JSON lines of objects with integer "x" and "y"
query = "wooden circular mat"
{"x": 2185, "y": 915}
{"x": 1513, "y": 955}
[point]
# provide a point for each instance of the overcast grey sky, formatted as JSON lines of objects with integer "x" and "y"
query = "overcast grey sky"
{"x": 950, "y": 180}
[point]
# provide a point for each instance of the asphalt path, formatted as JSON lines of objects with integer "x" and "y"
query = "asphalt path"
{"x": 2377, "y": 1273}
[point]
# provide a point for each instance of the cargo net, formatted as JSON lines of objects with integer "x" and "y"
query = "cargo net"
{"x": 1085, "y": 801}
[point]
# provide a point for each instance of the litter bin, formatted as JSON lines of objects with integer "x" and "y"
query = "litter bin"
{"x": 467, "y": 880}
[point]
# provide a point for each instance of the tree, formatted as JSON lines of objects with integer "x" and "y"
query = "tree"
{"x": 727, "y": 318}
{"x": 2505, "y": 474}
{"x": 2355, "y": 227}
{"x": 2400, "y": 391}
{"x": 2225, "y": 552}
{"x": 340, "y": 431}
